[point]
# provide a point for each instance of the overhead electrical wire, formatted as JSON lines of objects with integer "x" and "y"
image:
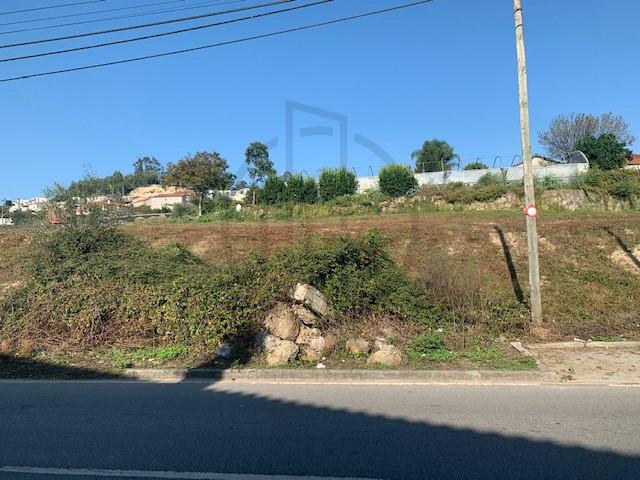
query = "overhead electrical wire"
{"x": 50, "y": 7}
{"x": 119, "y": 17}
{"x": 164, "y": 34}
{"x": 92, "y": 12}
{"x": 220, "y": 44}
{"x": 143, "y": 25}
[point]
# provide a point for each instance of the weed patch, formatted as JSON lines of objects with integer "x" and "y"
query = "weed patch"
{"x": 93, "y": 286}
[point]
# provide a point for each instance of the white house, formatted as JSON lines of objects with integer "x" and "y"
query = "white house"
{"x": 34, "y": 205}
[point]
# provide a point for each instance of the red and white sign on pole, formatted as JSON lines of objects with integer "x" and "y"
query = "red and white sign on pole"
{"x": 531, "y": 211}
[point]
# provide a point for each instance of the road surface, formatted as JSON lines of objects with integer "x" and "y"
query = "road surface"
{"x": 192, "y": 430}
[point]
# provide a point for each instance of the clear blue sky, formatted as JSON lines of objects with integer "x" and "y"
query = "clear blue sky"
{"x": 444, "y": 70}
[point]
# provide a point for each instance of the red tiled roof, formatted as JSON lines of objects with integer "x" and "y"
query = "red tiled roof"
{"x": 634, "y": 160}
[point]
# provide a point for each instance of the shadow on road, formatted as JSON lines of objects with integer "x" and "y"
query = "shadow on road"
{"x": 22, "y": 368}
{"x": 194, "y": 426}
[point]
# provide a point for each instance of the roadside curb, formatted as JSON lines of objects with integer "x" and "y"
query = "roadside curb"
{"x": 380, "y": 377}
{"x": 584, "y": 344}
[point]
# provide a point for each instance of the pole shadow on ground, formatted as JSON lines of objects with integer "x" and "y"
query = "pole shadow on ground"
{"x": 625, "y": 248}
{"x": 513, "y": 274}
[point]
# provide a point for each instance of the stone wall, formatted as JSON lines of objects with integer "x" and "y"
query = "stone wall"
{"x": 578, "y": 199}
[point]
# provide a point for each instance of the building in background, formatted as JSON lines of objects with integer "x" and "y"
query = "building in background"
{"x": 163, "y": 199}
{"x": 34, "y": 205}
{"x": 633, "y": 163}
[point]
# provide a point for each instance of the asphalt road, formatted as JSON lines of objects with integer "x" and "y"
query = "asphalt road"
{"x": 209, "y": 431}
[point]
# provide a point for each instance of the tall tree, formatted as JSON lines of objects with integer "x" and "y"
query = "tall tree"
{"x": 604, "y": 152}
{"x": 434, "y": 156}
{"x": 565, "y": 131}
{"x": 257, "y": 159}
{"x": 201, "y": 172}
{"x": 147, "y": 165}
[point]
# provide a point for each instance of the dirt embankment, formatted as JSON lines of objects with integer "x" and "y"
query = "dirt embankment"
{"x": 589, "y": 262}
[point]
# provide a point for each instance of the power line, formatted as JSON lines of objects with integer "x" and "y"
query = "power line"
{"x": 173, "y": 32}
{"x": 144, "y": 25}
{"x": 106, "y": 19}
{"x": 220, "y": 44}
{"x": 93, "y": 12}
{"x": 51, "y": 7}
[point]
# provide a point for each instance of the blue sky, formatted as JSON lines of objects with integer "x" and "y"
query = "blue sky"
{"x": 444, "y": 70}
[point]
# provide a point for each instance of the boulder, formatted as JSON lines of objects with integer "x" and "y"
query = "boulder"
{"x": 282, "y": 322}
{"x": 309, "y": 354}
{"x": 304, "y": 315}
{"x": 307, "y": 334}
{"x": 389, "y": 355}
{"x": 282, "y": 353}
{"x": 358, "y": 345}
{"x": 319, "y": 344}
{"x": 266, "y": 342}
{"x": 310, "y": 297}
{"x": 379, "y": 343}
{"x": 314, "y": 343}
{"x": 330, "y": 342}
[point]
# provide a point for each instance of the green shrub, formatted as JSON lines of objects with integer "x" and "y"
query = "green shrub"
{"x": 301, "y": 190}
{"x": 216, "y": 203}
{"x": 604, "y": 152}
{"x": 620, "y": 183}
{"x": 460, "y": 194}
{"x": 335, "y": 182}
{"x": 357, "y": 275}
{"x": 490, "y": 179}
{"x": 428, "y": 342}
{"x": 550, "y": 183}
{"x": 26, "y": 218}
{"x": 185, "y": 210}
{"x": 273, "y": 192}
{"x": 144, "y": 209}
{"x": 476, "y": 166}
{"x": 397, "y": 180}
{"x": 429, "y": 347}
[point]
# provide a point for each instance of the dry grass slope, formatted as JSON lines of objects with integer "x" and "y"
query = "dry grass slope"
{"x": 589, "y": 262}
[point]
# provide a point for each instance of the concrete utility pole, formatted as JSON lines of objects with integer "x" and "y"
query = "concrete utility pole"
{"x": 529, "y": 192}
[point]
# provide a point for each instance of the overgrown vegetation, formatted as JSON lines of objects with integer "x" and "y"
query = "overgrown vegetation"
{"x": 618, "y": 184}
{"x": 431, "y": 347}
{"x": 623, "y": 184}
{"x": 91, "y": 285}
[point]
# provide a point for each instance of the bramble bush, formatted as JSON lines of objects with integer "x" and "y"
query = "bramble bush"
{"x": 357, "y": 275}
